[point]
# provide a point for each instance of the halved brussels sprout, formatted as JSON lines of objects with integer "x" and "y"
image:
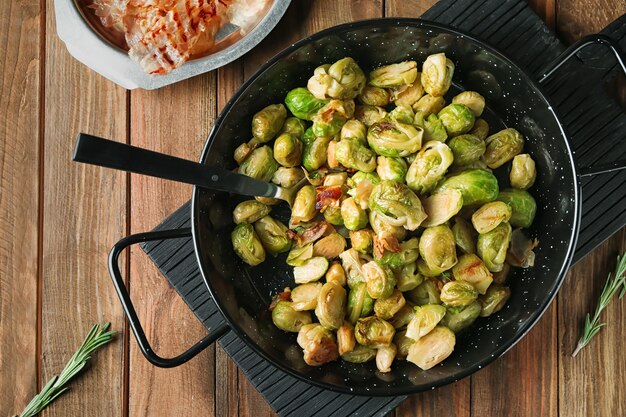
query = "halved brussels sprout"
{"x": 476, "y": 185}
{"x": 368, "y": 115}
{"x": 434, "y": 129}
{"x": 288, "y": 150}
{"x": 286, "y": 318}
{"x": 428, "y": 105}
{"x": 490, "y": 215}
{"x": 303, "y": 209}
{"x": 425, "y": 319}
{"x": 304, "y": 297}
{"x": 426, "y": 293}
{"x": 311, "y": 270}
{"x": 523, "y": 172}
{"x": 437, "y": 247}
{"x": 294, "y": 126}
{"x": 467, "y": 149}
{"x": 242, "y": 151}
{"x": 463, "y": 236}
{"x": 346, "y": 342}
{"x": 287, "y": 177}
{"x": 502, "y": 147}
{"x": 472, "y": 269}
{"x": 333, "y": 215}
{"x": 336, "y": 274}
{"x": 523, "y": 206}
{"x": 362, "y": 240}
{"x": 353, "y": 266}
{"x": 335, "y": 178}
{"x": 247, "y": 244}
{"x": 492, "y": 246}
{"x": 299, "y": 255}
{"x": 397, "y": 204}
{"x": 457, "y": 119}
{"x": 331, "y": 161}
{"x": 302, "y": 104}
{"x": 433, "y": 348}
{"x": 329, "y": 120}
{"x": 429, "y": 167}
{"x": 391, "y": 169}
{"x": 273, "y": 235}
{"x": 331, "y": 305}
{"x": 394, "y": 75}
{"x": 373, "y": 332}
{"x": 308, "y": 136}
{"x": 407, "y": 278}
{"x": 353, "y": 129}
{"x": 330, "y": 246}
{"x": 402, "y": 114}
{"x": 501, "y": 276}
{"x": 375, "y": 96}
{"x": 379, "y": 280}
{"x": 437, "y": 73}
{"x": 268, "y": 122}
{"x": 362, "y": 184}
{"x": 441, "y": 207}
{"x": 409, "y": 94}
{"x": 459, "y": 318}
{"x": 494, "y": 300}
{"x": 351, "y": 153}
{"x": 360, "y": 354}
{"x": 318, "y": 344}
{"x": 354, "y": 217}
{"x": 403, "y": 343}
{"x": 472, "y": 100}
{"x": 360, "y": 304}
{"x": 343, "y": 80}
{"x": 383, "y": 229}
{"x": 394, "y": 138}
{"x": 408, "y": 253}
{"x": 260, "y": 164}
{"x": 386, "y": 308}
{"x": 480, "y": 129}
{"x": 427, "y": 270}
{"x": 250, "y": 211}
{"x": 385, "y": 356}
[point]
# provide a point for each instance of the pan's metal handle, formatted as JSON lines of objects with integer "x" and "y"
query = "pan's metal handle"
{"x": 566, "y": 55}
{"x": 129, "y": 309}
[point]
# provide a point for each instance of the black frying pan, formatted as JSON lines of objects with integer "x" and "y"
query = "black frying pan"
{"x": 243, "y": 293}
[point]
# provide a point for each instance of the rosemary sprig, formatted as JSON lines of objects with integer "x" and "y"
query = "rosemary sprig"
{"x": 57, "y": 385}
{"x": 613, "y": 285}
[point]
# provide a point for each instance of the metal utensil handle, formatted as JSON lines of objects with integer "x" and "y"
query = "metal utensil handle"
{"x": 129, "y": 309}
{"x": 110, "y": 154}
{"x": 569, "y": 53}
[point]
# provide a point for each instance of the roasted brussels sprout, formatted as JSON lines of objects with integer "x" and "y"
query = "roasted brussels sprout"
{"x": 391, "y": 169}
{"x": 288, "y": 150}
{"x": 362, "y": 240}
{"x": 375, "y": 96}
{"x": 397, "y": 204}
{"x": 342, "y": 80}
{"x": 437, "y": 74}
{"x": 368, "y": 115}
{"x": 242, "y": 151}
{"x": 434, "y": 129}
{"x": 494, "y": 299}
{"x": 459, "y": 318}
{"x": 287, "y": 177}
{"x": 318, "y": 344}
{"x": 502, "y": 147}
{"x": 329, "y": 120}
{"x": 287, "y": 319}
{"x": 458, "y": 294}
{"x": 346, "y": 342}
{"x": 353, "y": 129}
{"x": 294, "y": 126}
{"x": 336, "y": 274}
{"x": 472, "y": 269}
{"x": 472, "y": 100}
{"x": 394, "y": 138}
{"x": 441, "y": 207}
{"x": 425, "y": 319}
{"x": 379, "y": 280}
{"x": 331, "y": 305}
{"x": 353, "y": 265}
{"x": 310, "y": 270}
{"x": 386, "y": 308}
{"x": 403, "y": 317}
{"x": 304, "y": 297}
{"x": 385, "y": 356}
{"x": 408, "y": 253}
{"x": 250, "y": 211}
{"x": 429, "y": 167}
{"x": 268, "y": 122}
{"x": 426, "y": 293}
{"x": 333, "y": 215}
{"x": 260, "y": 164}
{"x": 523, "y": 206}
{"x": 303, "y": 209}
{"x": 401, "y": 114}
{"x": 299, "y": 255}
{"x": 463, "y": 236}
{"x": 302, "y": 104}
{"x": 492, "y": 246}
{"x": 335, "y": 178}
{"x": 351, "y": 153}
{"x": 360, "y": 354}
{"x": 330, "y": 246}
{"x": 466, "y": 149}
{"x": 480, "y": 129}
{"x": 394, "y": 75}
{"x": 433, "y": 348}
{"x": 428, "y": 105}
{"x": 247, "y": 244}
{"x": 354, "y": 217}
{"x": 490, "y": 215}
{"x": 273, "y": 235}
{"x": 409, "y": 94}
{"x": 403, "y": 343}
{"x": 407, "y": 277}
{"x": 383, "y": 229}
{"x": 457, "y": 119}
{"x": 373, "y": 332}
{"x": 360, "y": 304}
{"x": 476, "y": 185}
{"x": 523, "y": 172}
{"x": 437, "y": 248}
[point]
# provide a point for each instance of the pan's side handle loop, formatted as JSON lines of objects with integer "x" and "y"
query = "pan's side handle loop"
{"x": 576, "y": 47}
{"x": 129, "y": 309}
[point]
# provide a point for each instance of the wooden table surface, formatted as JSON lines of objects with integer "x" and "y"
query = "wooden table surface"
{"x": 59, "y": 219}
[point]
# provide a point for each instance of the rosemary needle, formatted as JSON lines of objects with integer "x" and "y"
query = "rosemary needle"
{"x": 613, "y": 285}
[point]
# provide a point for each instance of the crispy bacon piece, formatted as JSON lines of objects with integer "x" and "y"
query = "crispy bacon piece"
{"x": 387, "y": 243}
{"x": 284, "y": 295}
{"x": 311, "y": 234}
{"x": 328, "y": 196}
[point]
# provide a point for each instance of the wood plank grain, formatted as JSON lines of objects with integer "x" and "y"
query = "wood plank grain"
{"x": 84, "y": 213}
{"x": 19, "y": 160}
{"x": 407, "y": 8}
{"x": 174, "y": 120}
{"x": 546, "y": 9}
{"x": 576, "y": 18}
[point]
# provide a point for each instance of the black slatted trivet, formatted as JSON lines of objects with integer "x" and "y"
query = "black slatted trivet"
{"x": 595, "y": 123}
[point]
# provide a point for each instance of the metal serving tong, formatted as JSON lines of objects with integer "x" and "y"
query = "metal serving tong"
{"x": 110, "y": 154}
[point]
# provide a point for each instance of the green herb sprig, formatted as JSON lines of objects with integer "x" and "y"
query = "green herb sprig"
{"x": 58, "y": 384}
{"x": 612, "y": 286}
